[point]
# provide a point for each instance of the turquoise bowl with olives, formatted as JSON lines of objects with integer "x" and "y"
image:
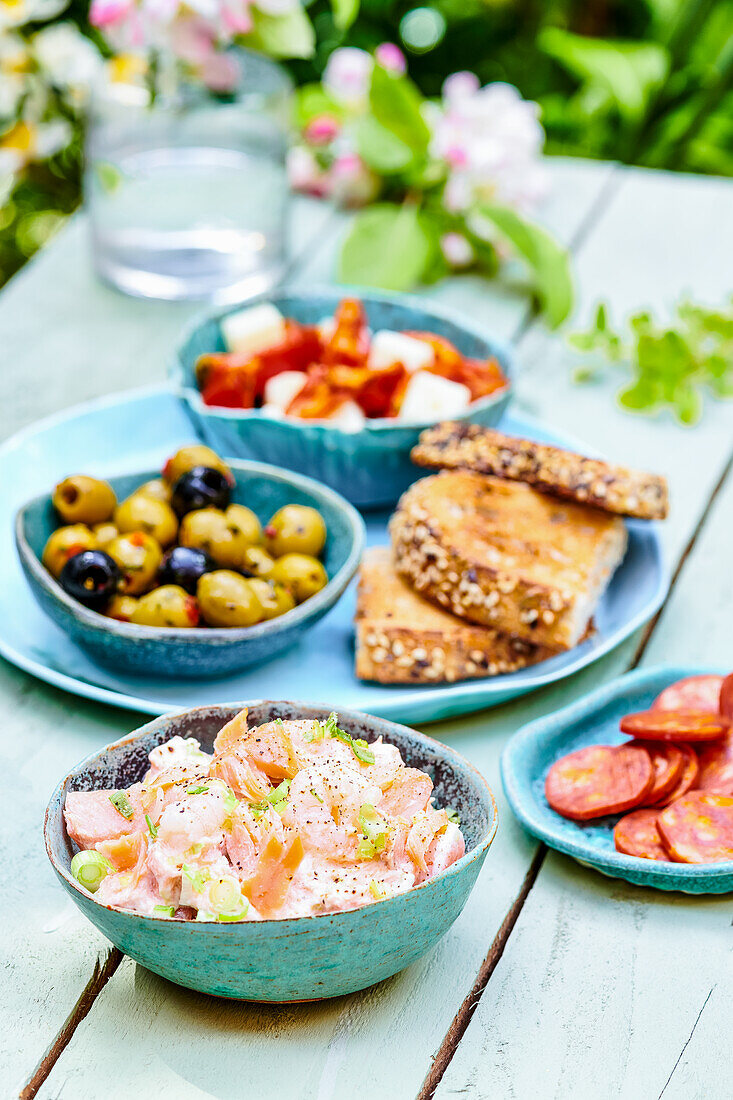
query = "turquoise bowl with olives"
{"x": 198, "y": 652}
{"x": 298, "y": 959}
{"x": 371, "y": 466}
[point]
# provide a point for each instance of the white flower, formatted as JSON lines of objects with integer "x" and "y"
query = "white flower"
{"x": 19, "y": 12}
{"x": 347, "y": 75}
{"x": 492, "y": 141}
{"x": 457, "y": 249}
{"x": 27, "y": 142}
{"x": 68, "y": 58}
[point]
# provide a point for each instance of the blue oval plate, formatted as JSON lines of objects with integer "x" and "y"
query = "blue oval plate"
{"x": 594, "y": 720}
{"x": 139, "y": 430}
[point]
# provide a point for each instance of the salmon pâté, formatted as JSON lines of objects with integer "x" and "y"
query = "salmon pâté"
{"x": 287, "y": 819}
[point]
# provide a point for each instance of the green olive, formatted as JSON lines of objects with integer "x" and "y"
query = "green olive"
{"x": 257, "y": 562}
{"x": 121, "y": 608}
{"x": 138, "y": 556}
{"x": 157, "y": 489}
{"x": 295, "y": 529}
{"x": 143, "y": 513}
{"x": 195, "y": 455}
{"x": 225, "y": 536}
{"x": 64, "y": 543}
{"x": 104, "y": 533}
{"x": 274, "y": 599}
{"x": 82, "y": 499}
{"x": 170, "y": 605}
{"x": 228, "y": 599}
{"x": 301, "y": 574}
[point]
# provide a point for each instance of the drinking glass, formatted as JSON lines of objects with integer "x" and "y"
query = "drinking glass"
{"x": 186, "y": 188}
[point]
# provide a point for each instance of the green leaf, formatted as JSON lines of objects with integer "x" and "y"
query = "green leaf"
{"x": 288, "y": 35}
{"x": 382, "y": 150}
{"x": 397, "y": 104}
{"x": 548, "y": 261}
{"x": 629, "y": 71}
{"x": 639, "y": 397}
{"x": 312, "y": 100}
{"x": 388, "y": 246}
{"x": 344, "y": 13}
{"x": 687, "y": 403}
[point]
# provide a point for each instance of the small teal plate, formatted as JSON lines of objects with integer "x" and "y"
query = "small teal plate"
{"x": 594, "y": 720}
{"x": 137, "y": 431}
{"x": 297, "y": 959}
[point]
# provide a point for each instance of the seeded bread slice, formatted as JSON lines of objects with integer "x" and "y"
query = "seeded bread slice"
{"x": 501, "y": 554}
{"x": 403, "y": 639}
{"x": 551, "y": 469}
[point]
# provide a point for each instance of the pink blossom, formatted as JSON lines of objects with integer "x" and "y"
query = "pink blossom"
{"x": 457, "y": 249}
{"x": 106, "y": 13}
{"x": 347, "y": 75}
{"x": 321, "y": 130}
{"x": 460, "y": 85}
{"x": 305, "y": 174}
{"x": 390, "y": 57}
{"x": 352, "y": 183}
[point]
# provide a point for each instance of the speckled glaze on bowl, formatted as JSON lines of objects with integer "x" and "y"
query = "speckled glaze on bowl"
{"x": 285, "y": 960}
{"x": 594, "y": 720}
{"x": 198, "y": 653}
{"x": 371, "y": 467}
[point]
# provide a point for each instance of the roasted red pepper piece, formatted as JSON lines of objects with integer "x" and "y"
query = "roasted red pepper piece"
{"x": 349, "y": 343}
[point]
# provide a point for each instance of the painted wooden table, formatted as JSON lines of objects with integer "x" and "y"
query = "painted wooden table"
{"x": 555, "y": 981}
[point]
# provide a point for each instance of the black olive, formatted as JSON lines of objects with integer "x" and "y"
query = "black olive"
{"x": 91, "y": 577}
{"x": 182, "y": 565}
{"x": 201, "y": 487}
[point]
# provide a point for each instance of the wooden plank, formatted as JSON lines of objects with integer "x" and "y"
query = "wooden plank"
{"x": 67, "y": 337}
{"x": 48, "y": 951}
{"x": 623, "y": 989}
{"x": 339, "y": 1039}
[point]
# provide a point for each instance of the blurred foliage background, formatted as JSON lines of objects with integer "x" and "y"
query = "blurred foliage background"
{"x": 646, "y": 82}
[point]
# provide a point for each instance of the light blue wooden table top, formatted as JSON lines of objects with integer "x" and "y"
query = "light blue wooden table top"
{"x": 555, "y": 981}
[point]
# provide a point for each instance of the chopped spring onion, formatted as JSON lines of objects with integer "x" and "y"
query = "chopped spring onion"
{"x": 201, "y": 789}
{"x": 164, "y": 910}
{"x": 316, "y": 795}
{"x": 358, "y": 745}
{"x": 230, "y": 801}
{"x": 225, "y": 897}
{"x": 198, "y": 879}
{"x": 280, "y": 792}
{"x": 152, "y": 829}
{"x": 376, "y": 890}
{"x": 276, "y": 798}
{"x": 453, "y": 816}
{"x": 373, "y": 826}
{"x": 229, "y": 917}
{"x": 365, "y": 850}
{"x": 89, "y": 868}
{"x": 315, "y": 733}
{"x": 122, "y": 804}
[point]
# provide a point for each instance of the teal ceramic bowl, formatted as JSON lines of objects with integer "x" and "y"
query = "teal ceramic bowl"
{"x": 201, "y": 653}
{"x": 285, "y": 960}
{"x": 594, "y": 720}
{"x": 370, "y": 467}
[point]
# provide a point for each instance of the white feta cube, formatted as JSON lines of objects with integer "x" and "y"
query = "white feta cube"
{"x": 348, "y": 417}
{"x": 388, "y": 348}
{"x": 283, "y": 387}
{"x": 253, "y": 330}
{"x": 326, "y": 327}
{"x": 430, "y": 397}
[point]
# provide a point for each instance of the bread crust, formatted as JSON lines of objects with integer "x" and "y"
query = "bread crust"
{"x": 503, "y": 555}
{"x": 563, "y": 473}
{"x": 403, "y": 639}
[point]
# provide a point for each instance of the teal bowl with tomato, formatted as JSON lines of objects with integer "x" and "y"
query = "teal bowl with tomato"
{"x": 370, "y": 466}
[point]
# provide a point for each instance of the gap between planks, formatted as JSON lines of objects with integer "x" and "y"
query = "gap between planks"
{"x": 100, "y": 976}
{"x": 462, "y": 1019}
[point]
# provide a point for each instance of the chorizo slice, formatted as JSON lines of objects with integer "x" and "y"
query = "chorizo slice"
{"x": 716, "y": 766}
{"x": 692, "y": 693}
{"x": 687, "y": 779}
{"x": 668, "y": 763}
{"x": 726, "y": 697}
{"x": 599, "y": 780}
{"x": 636, "y": 834}
{"x": 698, "y": 828}
{"x": 675, "y": 725}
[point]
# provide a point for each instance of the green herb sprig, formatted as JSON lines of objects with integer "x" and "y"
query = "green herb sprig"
{"x": 671, "y": 365}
